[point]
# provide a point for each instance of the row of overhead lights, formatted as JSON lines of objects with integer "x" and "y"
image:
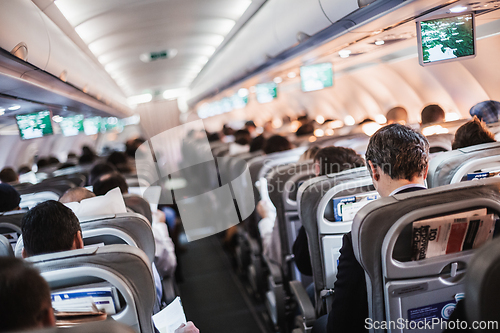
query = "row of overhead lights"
{"x": 10, "y": 108}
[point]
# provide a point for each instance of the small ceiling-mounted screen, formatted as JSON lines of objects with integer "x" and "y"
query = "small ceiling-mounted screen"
{"x": 316, "y": 77}
{"x": 266, "y": 92}
{"x": 34, "y": 125}
{"x": 71, "y": 126}
{"x": 446, "y": 38}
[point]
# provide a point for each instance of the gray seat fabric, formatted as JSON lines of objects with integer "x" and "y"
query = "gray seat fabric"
{"x": 310, "y": 195}
{"x": 373, "y": 222}
{"x": 125, "y": 228}
{"x": 107, "y": 326}
{"x": 5, "y": 248}
{"x": 11, "y": 221}
{"x": 58, "y": 186}
{"x": 481, "y": 285}
{"x": 125, "y": 267}
{"x": 444, "y": 166}
{"x": 138, "y": 205}
{"x": 440, "y": 142}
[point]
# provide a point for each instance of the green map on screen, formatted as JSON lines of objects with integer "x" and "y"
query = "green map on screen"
{"x": 34, "y": 125}
{"x": 447, "y": 38}
{"x": 316, "y": 77}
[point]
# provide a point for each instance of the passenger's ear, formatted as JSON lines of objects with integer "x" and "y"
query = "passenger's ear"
{"x": 316, "y": 168}
{"x": 78, "y": 241}
{"x": 48, "y": 319}
{"x": 426, "y": 170}
{"x": 374, "y": 171}
{"x": 24, "y": 254}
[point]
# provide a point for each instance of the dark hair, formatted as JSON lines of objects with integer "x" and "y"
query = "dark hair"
{"x": 23, "y": 292}
{"x": 242, "y": 137}
{"x": 8, "y": 175}
{"x": 306, "y": 129}
{"x": 337, "y": 159}
{"x": 257, "y": 143}
{"x": 24, "y": 169}
{"x": 277, "y": 143}
{"x": 250, "y": 123}
{"x": 88, "y": 156}
{"x": 53, "y": 160}
{"x": 108, "y": 182}
{"x": 399, "y": 151}
{"x": 132, "y": 145}
{"x": 473, "y": 132}
{"x": 9, "y": 198}
{"x": 42, "y": 163}
{"x": 99, "y": 170}
{"x": 49, "y": 227}
{"x": 431, "y": 114}
{"x": 116, "y": 158}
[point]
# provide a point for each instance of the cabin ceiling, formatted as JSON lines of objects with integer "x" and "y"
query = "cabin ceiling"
{"x": 119, "y": 31}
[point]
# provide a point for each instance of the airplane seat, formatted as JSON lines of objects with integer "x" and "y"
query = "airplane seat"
{"x": 11, "y": 221}
{"x": 440, "y": 142}
{"x": 463, "y": 164}
{"x": 283, "y": 182}
{"x": 124, "y": 228}
{"x": 481, "y": 286}
{"x": 5, "y": 247}
{"x": 106, "y": 326}
{"x": 36, "y": 193}
{"x": 399, "y": 287}
{"x": 315, "y": 196}
{"x": 124, "y": 267}
{"x": 139, "y": 205}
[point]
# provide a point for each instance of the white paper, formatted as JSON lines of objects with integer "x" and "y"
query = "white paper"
{"x": 111, "y": 203}
{"x": 170, "y": 318}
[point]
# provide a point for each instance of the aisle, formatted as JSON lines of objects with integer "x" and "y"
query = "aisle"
{"x": 213, "y": 297}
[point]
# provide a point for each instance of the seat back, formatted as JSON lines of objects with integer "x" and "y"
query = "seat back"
{"x": 454, "y": 166}
{"x": 125, "y": 267}
{"x": 440, "y": 142}
{"x": 10, "y": 225}
{"x": 382, "y": 235}
{"x": 107, "y": 326}
{"x": 126, "y": 228}
{"x": 481, "y": 286}
{"x": 316, "y": 213}
{"x": 5, "y": 247}
{"x": 283, "y": 183}
{"x": 30, "y": 200}
{"x": 138, "y": 205}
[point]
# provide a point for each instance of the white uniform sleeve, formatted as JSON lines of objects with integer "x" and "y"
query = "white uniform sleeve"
{"x": 165, "y": 259}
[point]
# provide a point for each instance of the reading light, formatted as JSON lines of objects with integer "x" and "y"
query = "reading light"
{"x": 451, "y": 116}
{"x": 381, "y": 119}
{"x": 349, "y": 121}
{"x": 57, "y": 118}
{"x": 291, "y": 75}
{"x": 336, "y": 124}
{"x": 243, "y": 92}
{"x": 312, "y": 139}
{"x": 329, "y": 132}
{"x": 344, "y": 53}
{"x": 278, "y": 80}
{"x": 14, "y": 107}
{"x": 319, "y": 132}
{"x": 458, "y": 9}
{"x": 434, "y": 129}
{"x": 294, "y": 126}
{"x": 370, "y": 128}
{"x": 277, "y": 123}
{"x": 139, "y": 99}
{"x": 379, "y": 42}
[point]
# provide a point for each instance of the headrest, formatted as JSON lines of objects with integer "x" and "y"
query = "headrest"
{"x": 9, "y": 198}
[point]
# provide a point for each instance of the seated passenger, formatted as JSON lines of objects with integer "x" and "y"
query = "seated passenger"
{"x": 326, "y": 161}
{"x": 76, "y": 194}
{"x": 257, "y": 143}
{"x": 99, "y": 170}
{"x": 9, "y": 176}
{"x": 276, "y": 143}
{"x": 108, "y": 182}
{"x": 432, "y": 114}
{"x": 397, "y": 115}
{"x": 486, "y": 111}
{"x": 25, "y": 295}
{"x": 473, "y": 132}
{"x": 397, "y": 158}
{"x": 241, "y": 142}
{"x": 309, "y": 154}
{"x": 120, "y": 161}
{"x": 9, "y": 198}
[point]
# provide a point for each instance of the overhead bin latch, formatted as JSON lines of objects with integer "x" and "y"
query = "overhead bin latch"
{"x": 363, "y": 3}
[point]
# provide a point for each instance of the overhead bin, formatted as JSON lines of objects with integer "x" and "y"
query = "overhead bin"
{"x": 335, "y": 10}
{"x": 21, "y": 22}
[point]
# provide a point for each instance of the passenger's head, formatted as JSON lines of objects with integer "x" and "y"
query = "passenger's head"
{"x": 24, "y": 169}
{"x": 397, "y": 153}
{"x": 132, "y": 145}
{"x": 242, "y": 137}
{"x": 117, "y": 158}
{"x": 309, "y": 153}
{"x": 76, "y": 194}
{"x": 53, "y": 160}
{"x": 277, "y": 143}
{"x": 397, "y": 115}
{"x": 50, "y": 227}
{"x": 473, "y": 132}
{"x": 99, "y": 170}
{"x": 250, "y": 126}
{"x": 42, "y": 163}
{"x": 9, "y": 198}
{"x": 336, "y": 159}
{"x": 8, "y": 175}
{"x": 432, "y": 114}
{"x": 486, "y": 111}
{"x": 25, "y": 295}
{"x": 306, "y": 129}
{"x": 108, "y": 182}
{"x": 257, "y": 143}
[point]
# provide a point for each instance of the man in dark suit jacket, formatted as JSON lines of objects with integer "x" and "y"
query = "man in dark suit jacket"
{"x": 397, "y": 158}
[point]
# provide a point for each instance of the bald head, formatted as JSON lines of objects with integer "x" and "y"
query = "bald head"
{"x": 76, "y": 194}
{"x": 397, "y": 115}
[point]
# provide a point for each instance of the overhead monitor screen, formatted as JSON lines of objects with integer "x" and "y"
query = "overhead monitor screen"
{"x": 71, "y": 126}
{"x": 92, "y": 125}
{"x": 446, "y": 39}
{"x": 111, "y": 123}
{"x": 266, "y": 92}
{"x": 34, "y": 125}
{"x": 316, "y": 77}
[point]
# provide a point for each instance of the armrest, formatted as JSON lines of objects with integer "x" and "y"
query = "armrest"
{"x": 305, "y": 305}
{"x": 275, "y": 271}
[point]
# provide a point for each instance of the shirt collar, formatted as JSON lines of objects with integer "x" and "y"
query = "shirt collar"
{"x": 404, "y": 187}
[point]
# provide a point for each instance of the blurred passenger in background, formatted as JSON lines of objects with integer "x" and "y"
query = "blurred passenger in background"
{"x": 397, "y": 115}
{"x": 486, "y": 111}
{"x": 99, "y": 170}
{"x": 88, "y": 156}
{"x": 277, "y": 143}
{"x": 251, "y": 128}
{"x": 241, "y": 142}
{"x": 76, "y": 194}
{"x": 432, "y": 113}
{"x": 9, "y": 176}
{"x": 473, "y": 132}
{"x": 257, "y": 143}
{"x": 120, "y": 161}
{"x": 9, "y": 198}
